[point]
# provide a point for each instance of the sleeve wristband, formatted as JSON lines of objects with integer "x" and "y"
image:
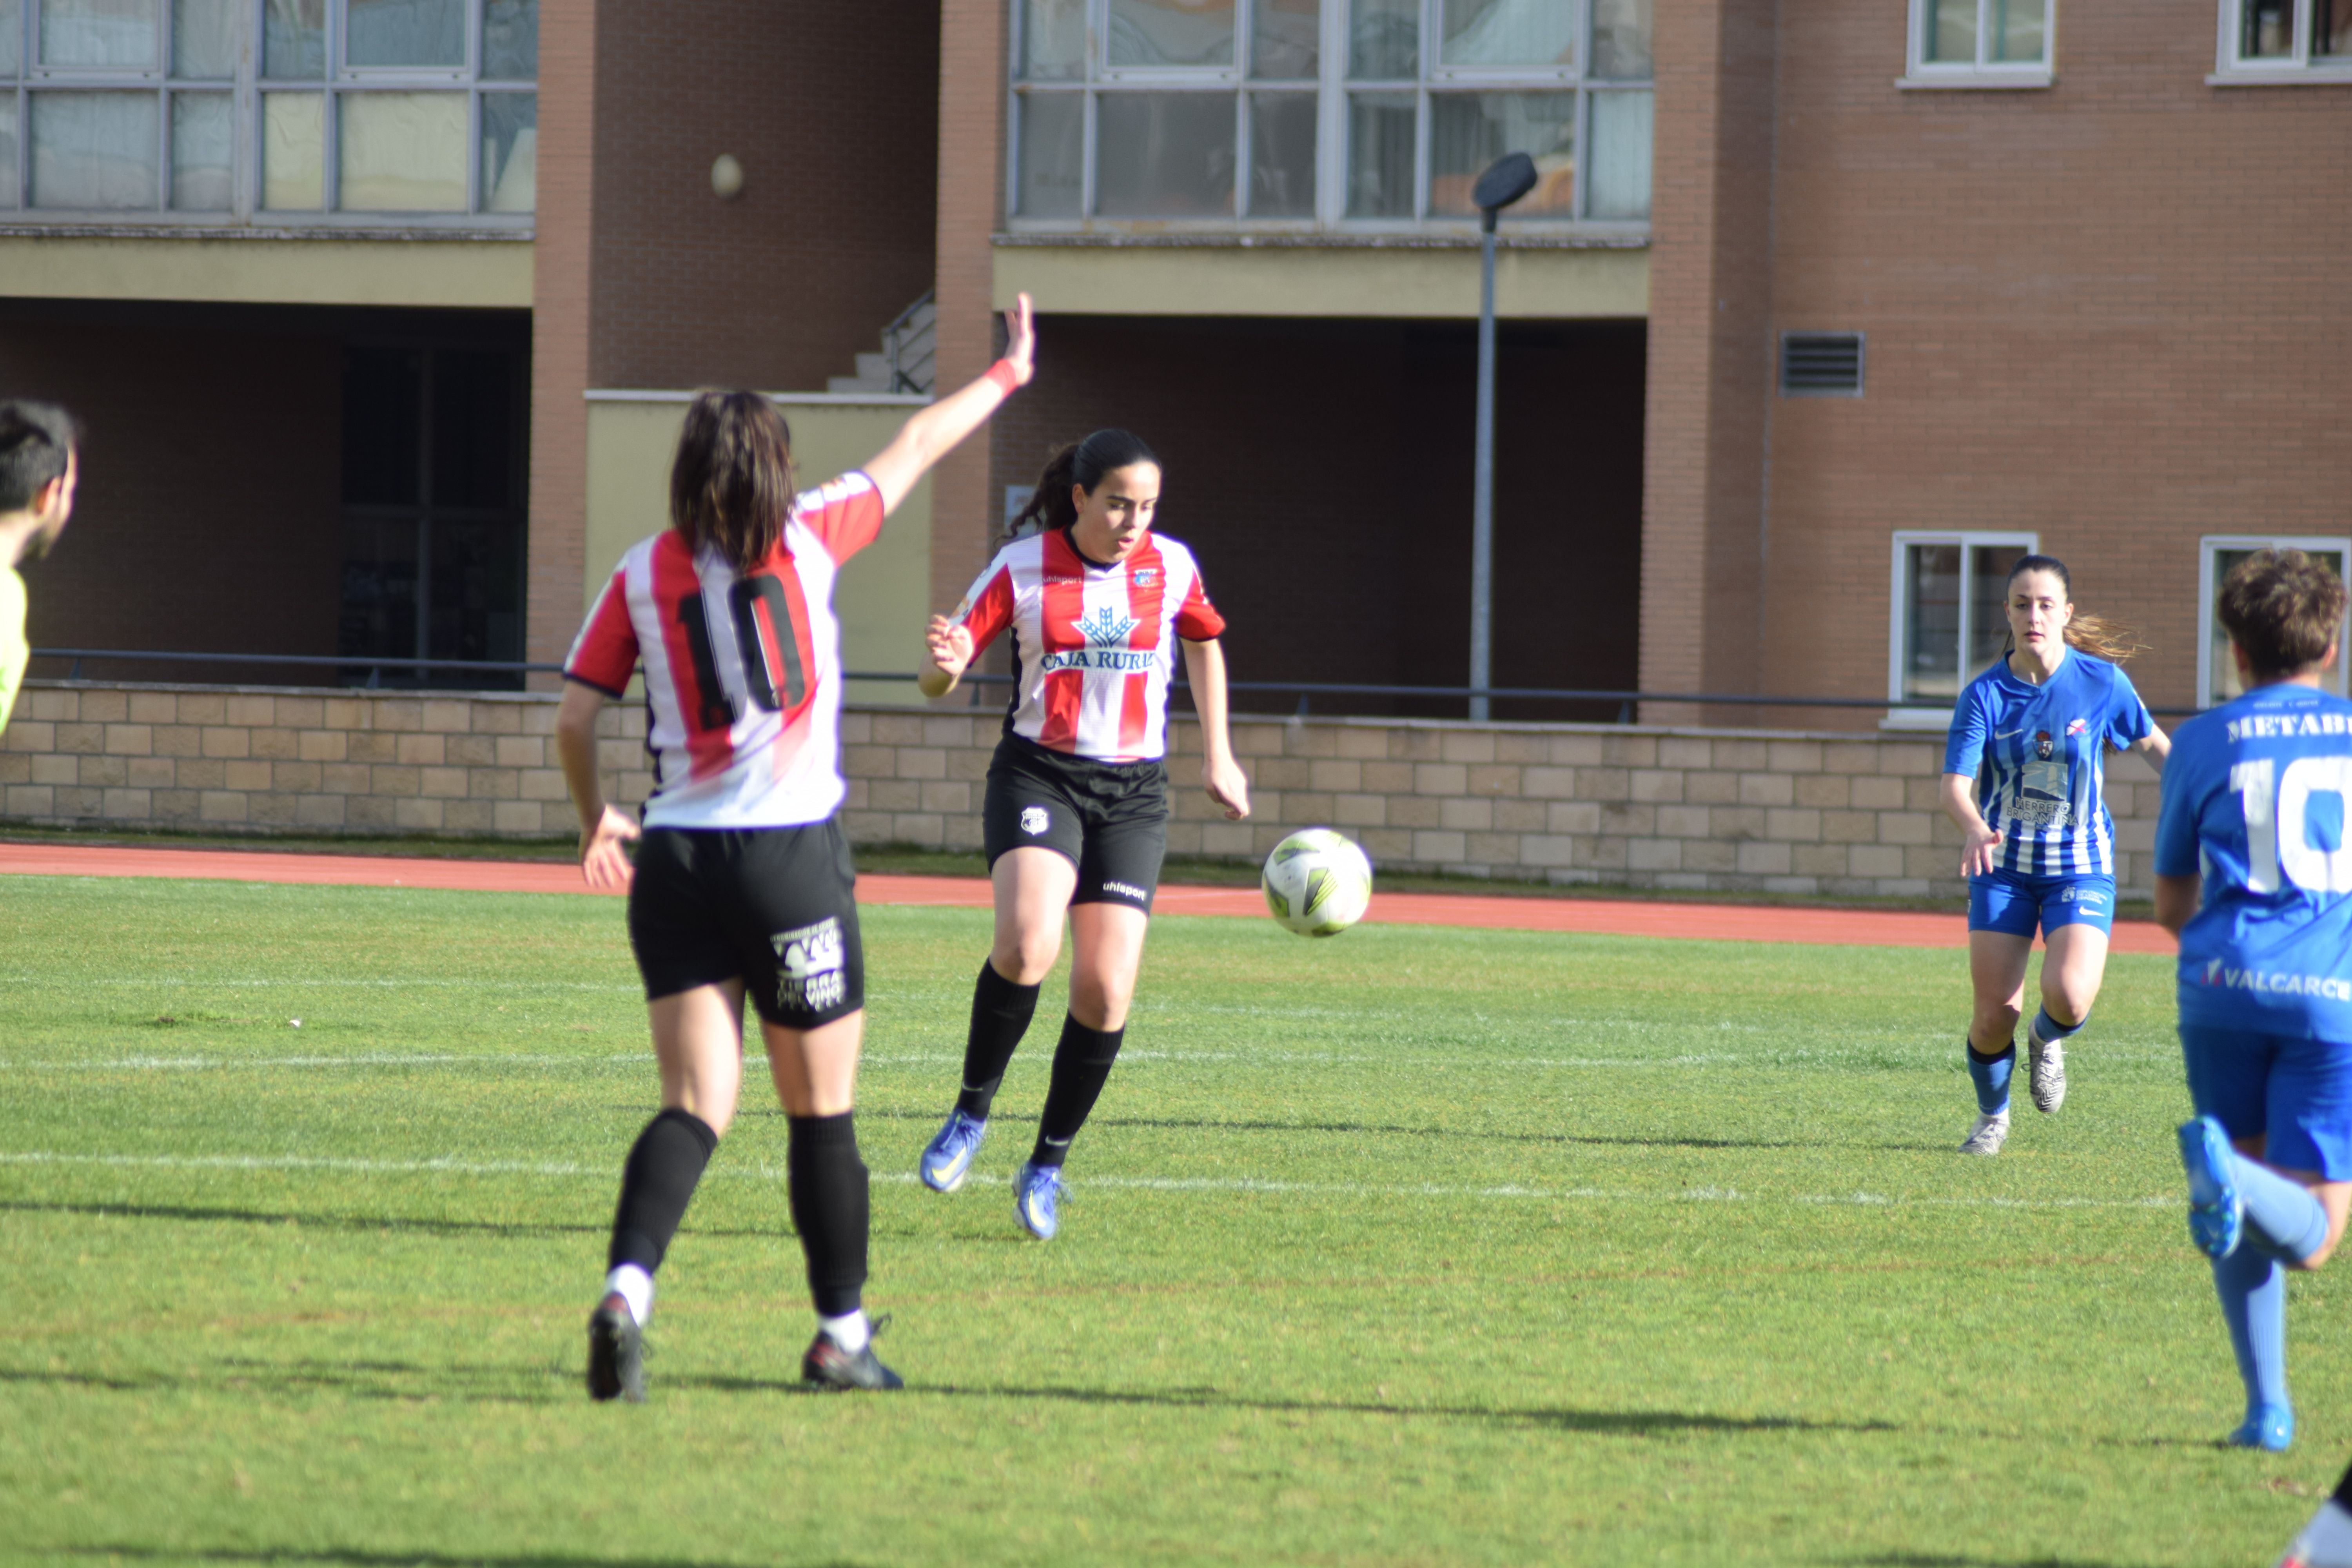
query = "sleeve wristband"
{"x": 1007, "y": 379}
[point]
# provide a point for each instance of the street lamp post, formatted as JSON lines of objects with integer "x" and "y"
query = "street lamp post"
{"x": 1507, "y": 179}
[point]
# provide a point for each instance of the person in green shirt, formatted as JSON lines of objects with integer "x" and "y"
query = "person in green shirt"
{"x": 37, "y": 490}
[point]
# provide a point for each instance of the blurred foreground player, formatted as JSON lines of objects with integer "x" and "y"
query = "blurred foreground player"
{"x": 38, "y": 469}
{"x": 2254, "y": 824}
{"x": 742, "y": 880}
{"x": 2327, "y": 1541}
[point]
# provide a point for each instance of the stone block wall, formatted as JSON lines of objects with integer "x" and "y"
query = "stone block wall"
{"x": 1718, "y": 810}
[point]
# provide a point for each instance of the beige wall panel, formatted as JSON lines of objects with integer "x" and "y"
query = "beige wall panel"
{"x": 884, "y": 594}
{"x": 1307, "y": 280}
{"x": 476, "y": 273}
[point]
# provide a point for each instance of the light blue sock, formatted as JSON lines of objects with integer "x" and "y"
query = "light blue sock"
{"x": 1991, "y": 1076}
{"x": 2286, "y": 1220}
{"x": 2253, "y": 1304}
{"x": 2050, "y": 1031}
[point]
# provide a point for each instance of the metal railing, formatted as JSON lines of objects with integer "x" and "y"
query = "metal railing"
{"x": 909, "y": 343}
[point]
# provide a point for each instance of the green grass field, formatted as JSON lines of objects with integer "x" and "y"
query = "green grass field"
{"x": 1416, "y": 1245}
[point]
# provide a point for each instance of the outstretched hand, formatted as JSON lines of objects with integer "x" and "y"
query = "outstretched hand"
{"x": 1982, "y": 856}
{"x": 1021, "y": 340}
{"x": 949, "y": 644}
{"x": 603, "y": 861}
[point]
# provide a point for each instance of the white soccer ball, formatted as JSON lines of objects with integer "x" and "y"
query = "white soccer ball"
{"x": 1317, "y": 882}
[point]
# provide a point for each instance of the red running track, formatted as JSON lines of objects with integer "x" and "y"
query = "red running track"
{"x": 1622, "y": 917}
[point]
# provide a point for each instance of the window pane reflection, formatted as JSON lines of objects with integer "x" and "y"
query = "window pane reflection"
{"x": 509, "y": 151}
{"x": 204, "y": 36}
{"x": 1053, "y": 40}
{"x": 1053, "y": 150}
{"x": 1468, "y": 131}
{"x": 294, "y": 40}
{"x": 1621, "y": 39}
{"x": 1379, "y": 154}
{"x": 1384, "y": 40}
{"x": 402, "y": 151}
{"x": 293, "y": 151}
{"x": 2331, "y": 28}
{"x": 1989, "y": 567}
{"x": 1164, "y": 155}
{"x": 1282, "y": 154}
{"x": 12, "y": 38}
{"x": 98, "y": 33}
{"x": 1172, "y": 32}
{"x": 2267, "y": 29}
{"x": 95, "y": 150}
{"x": 405, "y": 32}
{"x": 200, "y": 151}
{"x": 1619, "y": 155}
{"x": 511, "y": 40}
{"x": 2017, "y": 37}
{"x": 1285, "y": 44}
{"x": 8, "y": 194}
{"x": 1952, "y": 32}
{"x": 1931, "y": 619}
{"x": 1508, "y": 32}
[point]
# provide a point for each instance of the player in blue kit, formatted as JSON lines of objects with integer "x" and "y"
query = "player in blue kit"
{"x": 2025, "y": 778}
{"x": 2253, "y": 825}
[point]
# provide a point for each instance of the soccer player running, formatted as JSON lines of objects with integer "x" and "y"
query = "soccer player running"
{"x": 2253, "y": 822}
{"x": 743, "y": 882}
{"x": 38, "y": 467}
{"x": 1075, "y": 817}
{"x": 2024, "y": 777}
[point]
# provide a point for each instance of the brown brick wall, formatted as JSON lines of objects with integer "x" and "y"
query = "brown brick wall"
{"x": 833, "y": 112}
{"x": 1321, "y": 470}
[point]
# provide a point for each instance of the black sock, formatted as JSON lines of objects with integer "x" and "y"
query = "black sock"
{"x": 1081, "y": 1066}
{"x": 829, "y": 1208}
{"x": 2343, "y": 1493}
{"x": 656, "y": 1185}
{"x": 1000, "y": 1017}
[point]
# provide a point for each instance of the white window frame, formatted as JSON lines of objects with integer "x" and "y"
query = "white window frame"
{"x": 1332, "y": 88}
{"x": 2297, "y": 70}
{"x": 1904, "y": 712}
{"x": 245, "y": 89}
{"x": 2209, "y": 588}
{"x": 1919, "y": 71}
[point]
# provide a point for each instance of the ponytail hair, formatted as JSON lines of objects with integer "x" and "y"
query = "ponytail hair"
{"x": 1081, "y": 464}
{"x": 2094, "y": 635}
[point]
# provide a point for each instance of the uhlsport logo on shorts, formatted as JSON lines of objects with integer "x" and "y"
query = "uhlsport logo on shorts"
{"x": 1036, "y": 819}
{"x": 1126, "y": 891}
{"x": 810, "y": 958}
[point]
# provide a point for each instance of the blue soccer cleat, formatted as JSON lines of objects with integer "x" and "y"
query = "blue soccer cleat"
{"x": 2270, "y": 1428}
{"x": 1035, "y": 1191}
{"x": 2217, "y": 1213}
{"x": 947, "y": 1159}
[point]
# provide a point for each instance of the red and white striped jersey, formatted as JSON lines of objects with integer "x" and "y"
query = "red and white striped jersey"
{"x": 1093, "y": 647}
{"x": 742, "y": 674}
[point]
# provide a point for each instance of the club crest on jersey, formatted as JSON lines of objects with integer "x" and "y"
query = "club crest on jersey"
{"x": 2042, "y": 745}
{"x": 809, "y": 970}
{"x": 1035, "y": 819}
{"x": 1105, "y": 628}
{"x": 1145, "y": 576}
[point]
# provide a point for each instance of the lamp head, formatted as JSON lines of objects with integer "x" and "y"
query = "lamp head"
{"x": 1507, "y": 179}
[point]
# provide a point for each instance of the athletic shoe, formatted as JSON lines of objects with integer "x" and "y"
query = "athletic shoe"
{"x": 829, "y": 1369}
{"x": 2325, "y": 1541}
{"x": 616, "y": 1354}
{"x": 1035, "y": 1191}
{"x": 2045, "y": 1068}
{"x": 1989, "y": 1134}
{"x": 2269, "y": 1428}
{"x": 947, "y": 1159}
{"x": 2217, "y": 1212}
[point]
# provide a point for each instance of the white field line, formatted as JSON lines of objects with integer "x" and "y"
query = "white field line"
{"x": 1243, "y": 1185}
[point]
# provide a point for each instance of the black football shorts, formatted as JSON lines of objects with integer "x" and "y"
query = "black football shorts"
{"x": 772, "y": 907}
{"x": 1109, "y": 819}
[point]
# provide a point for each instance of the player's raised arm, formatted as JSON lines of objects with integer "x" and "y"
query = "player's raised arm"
{"x": 932, "y": 433}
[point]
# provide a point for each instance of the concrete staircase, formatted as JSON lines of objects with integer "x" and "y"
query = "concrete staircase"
{"x": 905, "y": 363}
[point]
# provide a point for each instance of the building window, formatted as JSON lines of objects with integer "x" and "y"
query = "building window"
{"x": 1980, "y": 43}
{"x": 1325, "y": 113}
{"x": 2290, "y": 40}
{"x": 418, "y": 111}
{"x": 1948, "y": 624}
{"x": 434, "y": 446}
{"x": 2217, "y": 670}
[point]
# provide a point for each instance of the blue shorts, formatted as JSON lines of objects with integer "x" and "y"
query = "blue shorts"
{"x": 2014, "y": 902}
{"x": 2296, "y": 1092}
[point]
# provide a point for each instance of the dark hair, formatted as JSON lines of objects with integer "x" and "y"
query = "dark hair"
{"x": 2283, "y": 608}
{"x": 35, "y": 440}
{"x": 1083, "y": 464}
{"x": 731, "y": 485}
{"x": 2092, "y": 635}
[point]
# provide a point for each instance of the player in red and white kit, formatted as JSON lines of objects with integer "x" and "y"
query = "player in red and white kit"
{"x": 743, "y": 882}
{"x": 1075, "y": 816}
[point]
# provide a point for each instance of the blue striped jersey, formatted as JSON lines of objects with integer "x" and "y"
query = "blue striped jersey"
{"x": 2038, "y": 756}
{"x": 2256, "y": 798}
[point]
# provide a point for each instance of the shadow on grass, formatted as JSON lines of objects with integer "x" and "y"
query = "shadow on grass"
{"x": 191, "y": 1214}
{"x": 1619, "y": 1423}
{"x": 372, "y": 1559}
{"x": 1946, "y": 1560}
{"x": 509, "y": 1383}
{"x": 1360, "y": 1129}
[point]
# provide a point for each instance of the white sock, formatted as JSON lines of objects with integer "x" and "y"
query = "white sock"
{"x": 852, "y": 1333}
{"x": 634, "y": 1286}
{"x": 2327, "y": 1541}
